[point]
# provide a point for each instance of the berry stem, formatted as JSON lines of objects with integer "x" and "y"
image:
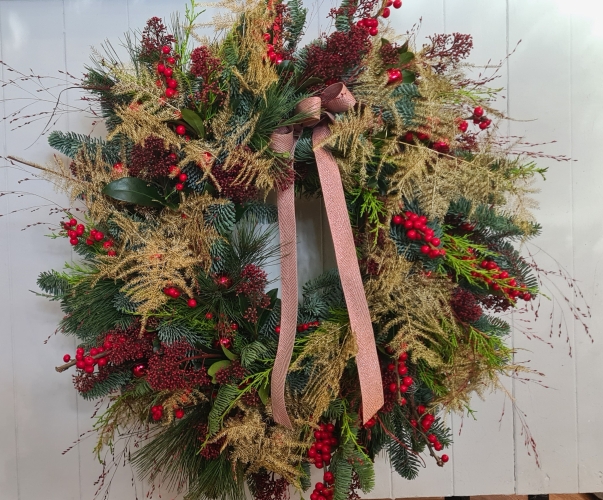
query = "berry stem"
{"x": 66, "y": 366}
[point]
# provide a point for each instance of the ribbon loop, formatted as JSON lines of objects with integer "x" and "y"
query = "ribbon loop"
{"x": 335, "y": 98}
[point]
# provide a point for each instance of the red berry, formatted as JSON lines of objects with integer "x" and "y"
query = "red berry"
{"x": 393, "y": 387}
{"x": 370, "y": 422}
{"x": 107, "y": 244}
{"x": 312, "y": 453}
{"x": 99, "y": 235}
{"x": 484, "y": 125}
{"x": 402, "y": 370}
{"x": 111, "y": 253}
{"x": 403, "y": 356}
{"x": 386, "y": 12}
{"x": 328, "y": 477}
{"x": 330, "y": 428}
{"x": 463, "y": 126}
{"x": 314, "y": 496}
{"x": 402, "y": 401}
{"x": 191, "y": 303}
{"x": 319, "y": 465}
{"x": 181, "y": 130}
{"x": 478, "y": 111}
{"x": 436, "y": 242}
{"x": 80, "y": 364}
{"x": 93, "y": 351}
{"x": 391, "y": 367}
{"x": 433, "y": 254}
{"x": 408, "y": 224}
{"x": 432, "y": 438}
{"x": 374, "y": 31}
{"x": 412, "y": 234}
{"x": 413, "y": 422}
{"x": 80, "y": 350}
{"x": 74, "y": 241}
{"x": 173, "y": 169}
{"x": 89, "y": 360}
{"x": 526, "y": 296}
{"x": 172, "y": 84}
{"x": 438, "y": 446}
{"x": 89, "y": 368}
{"x": 319, "y": 486}
{"x": 408, "y": 137}
{"x": 179, "y": 186}
{"x": 403, "y": 389}
{"x": 139, "y": 370}
{"x": 179, "y": 413}
{"x": 102, "y": 361}
{"x": 445, "y": 458}
{"x": 72, "y": 222}
{"x": 182, "y": 177}
{"x": 397, "y": 220}
{"x": 226, "y": 342}
{"x": 66, "y": 358}
{"x": 394, "y": 75}
{"x": 166, "y": 49}
{"x": 89, "y": 241}
{"x": 170, "y": 93}
{"x": 421, "y": 410}
{"x": 171, "y": 60}
{"x": 425, "y": 249}
{"x": 397, "y": 4}
{"x": 71, "y": 233}
{"x": 209, "y": 315}
{"x": 234, "y": 326}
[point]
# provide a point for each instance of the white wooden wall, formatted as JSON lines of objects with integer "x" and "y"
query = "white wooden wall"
{"x": 554, "y": 92}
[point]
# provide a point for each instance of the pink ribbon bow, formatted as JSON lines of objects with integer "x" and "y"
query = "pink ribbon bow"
{"x": 335, "y": 99}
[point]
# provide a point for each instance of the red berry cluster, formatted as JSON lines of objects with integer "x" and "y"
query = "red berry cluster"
{"x": 174, "y": 170}
{"x": 320, "y": 451}
{"x": 371, "y": 23}
{"x": 76, "y": 231}
{"x": 324, "y": 491}
{"x": 417, "y": 230}
{"x": 157, "y": 412}
{"x": 171, "y": 291}
{"x": 303, "y": 327}
{"x": 87, "y": 362}
{"x": 165, "y": 68}
{"x": 478, "y": 118}
{"x": 499, "y": 280}
{"x": 404, "y": 380}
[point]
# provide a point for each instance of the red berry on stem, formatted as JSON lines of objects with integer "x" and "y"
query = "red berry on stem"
{"x": 182, "y": 177}
{"x": 328, "y": 477}
{"x": 102, "y": 361}
{"x": 80, "y": 364}
{"x": 93, "y": 351}
{"x": 402, "y": 370}
{"x": 89, "y": 368}
{"x": 168, "y": 72}
{"x": 166, "y": 49}
{"x": 463, "y": 126}
{"x": 171, "y": 83}
{"x": 209, "y": 315}
{"x": 169, "y": 93}
{"x": 436, "y": 242}
{"x": 181, "y": 130}
{"x": 478, "y": 111}
{"x": 179, "y": 413}
{"x": 66, "y": 358}
{"x": 80, "y": 350}
{"x": 99, "y": 235}
{"x": 412, "y": 234}
{"x": 386, "y": 12}
{"x": 111, "y": 253}
{"x": 391, "y": 367}
{"x": 393, "y": 387}
{"x": 445, "y": 458}
{"x": 432, "y": 438}
{"x": 397, "y": 220}
{"x": 425, "y": 249}
{"x": 139, "y": 370}
{"x": 397, "y": 4}
{"x": 74, "y": 241}
{"x": 191, "y": 303}
{"x": 179, "y": 186}
{"x": 374, "y": 31}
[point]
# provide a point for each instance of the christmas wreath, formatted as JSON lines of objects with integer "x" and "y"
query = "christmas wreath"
{"x": 215, "y": 380}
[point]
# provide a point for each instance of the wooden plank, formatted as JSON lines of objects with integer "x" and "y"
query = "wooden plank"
{"x": 46, "y": 419}
{"x": 474, "y": 439}
{"x": 587, "y": 127}
{"x": 8, "y": 439}
{"x": 542, "y": 92}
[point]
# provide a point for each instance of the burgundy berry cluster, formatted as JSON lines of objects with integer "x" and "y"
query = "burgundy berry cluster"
{"x": 478, "y": 118}
{"x": 165, "y": 69}
{"x": 372, "y": 24}
{"x": 417, "y": 230}
{"x": 320, "y": 451}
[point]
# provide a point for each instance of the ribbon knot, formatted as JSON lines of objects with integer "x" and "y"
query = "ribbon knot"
{"x": 335, "y": 99}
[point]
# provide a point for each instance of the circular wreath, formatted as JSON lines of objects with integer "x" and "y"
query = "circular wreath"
{"x": 224, "y": 382}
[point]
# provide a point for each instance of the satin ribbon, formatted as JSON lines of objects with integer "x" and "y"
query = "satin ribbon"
{"x": 335, "y": 99}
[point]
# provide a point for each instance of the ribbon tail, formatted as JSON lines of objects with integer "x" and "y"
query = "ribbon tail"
{"x": 367, "y": 360}
{"x": 289, "y": 302}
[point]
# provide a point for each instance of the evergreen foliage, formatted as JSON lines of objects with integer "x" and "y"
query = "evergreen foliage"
{"x": 295, "y": 27}
{"x": 222, "y": 217}
{"x": 105, "y": 387}
{"x": 54, "y": 283}
{"x": 69, "y": 143}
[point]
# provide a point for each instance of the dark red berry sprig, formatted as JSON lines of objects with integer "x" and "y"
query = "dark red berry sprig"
{"x": 371, "y": 23}
{"x": 417, "y": 230}
{"x": 325, "y": 441}
{"x": 303, "y": 327}
{"x": 157, "y": 412}
{"x": 480, "y": 119}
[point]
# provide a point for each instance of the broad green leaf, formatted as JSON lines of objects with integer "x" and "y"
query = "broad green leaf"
{"x": 263, "y": 393}
{"x": 215, "y": 367}
{"x": 134, "y": 190}
{"x": 405, "y": 58}
{"x": 230, "y": 355}
{"x": 194, "y": 120}
{"x": 404, "y": 47}
{"x": 407, "y": 76}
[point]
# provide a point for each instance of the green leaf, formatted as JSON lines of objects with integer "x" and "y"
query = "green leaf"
{"x": 385, "y": 41}
{"x": 263, "y": 393}
{"x": 309, "y": 82}
{"x": 405, "y": 58}
{"x": 229, "y": 355}
{"x": 404, "y": 47}
{"x": 194, "y": 121}
{"x": 407, "y": 76}
{"x": 215, "y": 367}
{"x": 134, "y": 190}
